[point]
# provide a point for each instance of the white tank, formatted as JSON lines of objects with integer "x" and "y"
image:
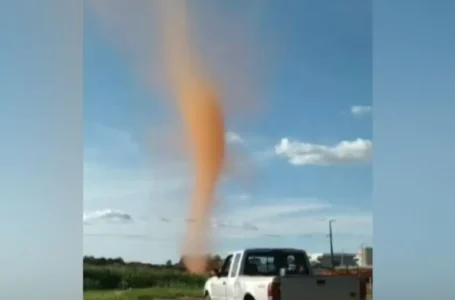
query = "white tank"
{"x": 365, "y": 257}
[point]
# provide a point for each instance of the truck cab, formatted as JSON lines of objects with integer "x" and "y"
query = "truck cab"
{"x": 248, "y": 274}
{"x": 275, "y": 274}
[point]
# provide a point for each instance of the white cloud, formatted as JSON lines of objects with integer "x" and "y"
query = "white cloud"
{"x": 293, "y": 217}
{"x": 277, "y": 208}
{"x": 234, "y": 138}
{"x": 345, "y": 152}
{"x": 300, "y": 226}
{"x": 361, "y": 110}
{"x": 106, "y": 215}
{"x": 227, "y": 224}
{"x": 151, "y": 206}
{"x": 160, "y": 216}
{"x": 244, "y": 197}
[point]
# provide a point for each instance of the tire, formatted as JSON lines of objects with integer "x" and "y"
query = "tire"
{"x": 248, "y": 297}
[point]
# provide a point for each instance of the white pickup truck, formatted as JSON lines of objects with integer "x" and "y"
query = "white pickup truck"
{"x": 276, "y": 274}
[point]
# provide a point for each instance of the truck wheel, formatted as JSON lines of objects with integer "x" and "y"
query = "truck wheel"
{"x": 248, "y": 297}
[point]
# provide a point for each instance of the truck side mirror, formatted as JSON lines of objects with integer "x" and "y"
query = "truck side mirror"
{"x": 215, "y": 273}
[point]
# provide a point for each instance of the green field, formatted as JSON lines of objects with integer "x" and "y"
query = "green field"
{"x": 144, "y": 294}
{"x": 147, "y": 294}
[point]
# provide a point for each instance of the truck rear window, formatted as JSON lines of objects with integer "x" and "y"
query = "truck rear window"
{"x": 269, "y": 263}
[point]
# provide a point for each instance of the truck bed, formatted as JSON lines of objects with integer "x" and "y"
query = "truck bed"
{"x": 319, "y": 288}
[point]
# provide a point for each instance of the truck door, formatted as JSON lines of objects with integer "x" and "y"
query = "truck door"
{"x": 232, "y": 290}
{"x": 219, "y": 285}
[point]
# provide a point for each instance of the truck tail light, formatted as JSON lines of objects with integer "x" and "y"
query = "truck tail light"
{"x": 273, "y": 291}
{"x": 364, "y": 283}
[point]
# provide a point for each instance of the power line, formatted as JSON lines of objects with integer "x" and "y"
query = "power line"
{"x": 332, "y": 257}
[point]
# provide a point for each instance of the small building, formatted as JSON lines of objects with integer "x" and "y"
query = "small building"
{"x": 324, "y": 260}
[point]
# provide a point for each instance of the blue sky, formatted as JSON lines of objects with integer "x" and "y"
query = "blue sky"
{"x": 310, "y": 69}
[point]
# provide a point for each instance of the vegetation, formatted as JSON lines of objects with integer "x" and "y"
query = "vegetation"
{"x": 144, "y": 294}
{"x": 115, "y": 274}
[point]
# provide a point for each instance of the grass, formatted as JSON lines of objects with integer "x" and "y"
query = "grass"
{"x": 144, "y": 294}
{"x": 150, "y": 293}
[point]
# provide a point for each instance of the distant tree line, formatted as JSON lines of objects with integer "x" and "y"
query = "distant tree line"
{"x": 214, "y": 261}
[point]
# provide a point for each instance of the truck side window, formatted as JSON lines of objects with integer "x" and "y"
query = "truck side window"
{"x": 226, "y": 265}
{"x": 235, "y": 265}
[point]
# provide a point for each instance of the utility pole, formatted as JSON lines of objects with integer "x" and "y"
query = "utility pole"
{"x": 332, "y": 255}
